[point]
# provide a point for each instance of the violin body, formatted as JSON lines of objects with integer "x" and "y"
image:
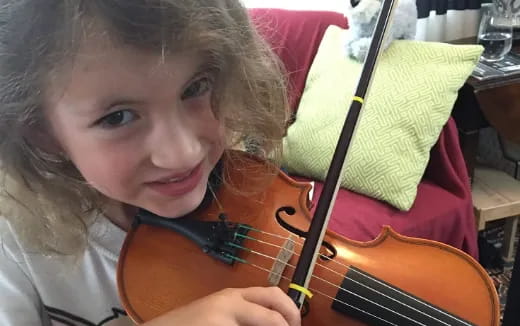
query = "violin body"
{"x": 391, "y": 280}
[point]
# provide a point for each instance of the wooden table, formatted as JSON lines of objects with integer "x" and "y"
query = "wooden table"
{"x": 496, "y": 195}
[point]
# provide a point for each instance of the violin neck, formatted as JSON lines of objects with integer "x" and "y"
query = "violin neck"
{"x": 376, "y": 302}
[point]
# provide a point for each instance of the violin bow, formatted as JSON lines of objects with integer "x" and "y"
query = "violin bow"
{"x": 298, "y": 288}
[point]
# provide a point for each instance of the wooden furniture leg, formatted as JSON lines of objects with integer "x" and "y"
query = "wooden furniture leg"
{"x": 510, "y": 229}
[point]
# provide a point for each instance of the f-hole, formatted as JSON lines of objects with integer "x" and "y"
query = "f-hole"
{"x": 332, "y": 252}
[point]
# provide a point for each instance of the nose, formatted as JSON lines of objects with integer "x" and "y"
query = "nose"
{"x": 174, "y": 145}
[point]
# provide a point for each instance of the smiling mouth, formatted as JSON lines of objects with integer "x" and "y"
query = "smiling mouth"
{"x": 177, "y": 179}
{"x": 180, "y": 184}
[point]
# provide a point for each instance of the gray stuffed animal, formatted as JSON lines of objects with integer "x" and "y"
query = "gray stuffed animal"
{"x": 362, "y": 17}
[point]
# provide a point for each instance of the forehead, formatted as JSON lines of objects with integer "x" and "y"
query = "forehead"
{"x": 101, "y": 53}
{"x": 101, "y": 68}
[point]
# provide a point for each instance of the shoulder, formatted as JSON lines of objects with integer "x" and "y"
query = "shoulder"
{"x": 10, "y": 244}
{"x": 15, "y": 211}
{"x": 8, "y": 238}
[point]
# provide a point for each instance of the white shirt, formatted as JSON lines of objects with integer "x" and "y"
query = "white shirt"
{"x": 61, "y": 290}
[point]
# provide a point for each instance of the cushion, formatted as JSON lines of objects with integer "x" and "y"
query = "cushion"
{"x": 412, "y": 93}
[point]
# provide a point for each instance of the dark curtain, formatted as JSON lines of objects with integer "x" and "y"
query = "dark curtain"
{"x": 442, "y": 6}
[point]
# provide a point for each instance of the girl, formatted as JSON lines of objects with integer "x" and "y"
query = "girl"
{"x": 111, "y": 105}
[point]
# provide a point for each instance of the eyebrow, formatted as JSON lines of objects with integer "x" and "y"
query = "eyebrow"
{"x": 104, "y": 105}
{"x": 118, "y": 102}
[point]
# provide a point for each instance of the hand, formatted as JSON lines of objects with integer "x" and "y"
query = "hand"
{"x": 255, "y": 306}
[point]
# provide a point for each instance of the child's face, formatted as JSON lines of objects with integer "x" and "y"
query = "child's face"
{"x": 141, "y": 131}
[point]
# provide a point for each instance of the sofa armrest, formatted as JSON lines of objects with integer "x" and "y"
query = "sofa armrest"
{"x": 446, "y": 167}
{"x": 295, "y": 37}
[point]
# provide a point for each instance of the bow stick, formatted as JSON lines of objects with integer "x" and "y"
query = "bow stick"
{"x": 305, "y": 267}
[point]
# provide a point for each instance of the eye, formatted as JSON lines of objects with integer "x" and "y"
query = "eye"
{"x": 197, "y": 88}
{"x": 117, "y": 119}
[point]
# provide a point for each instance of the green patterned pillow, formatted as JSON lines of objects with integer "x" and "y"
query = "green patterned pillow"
{"x": 413, "y": 90}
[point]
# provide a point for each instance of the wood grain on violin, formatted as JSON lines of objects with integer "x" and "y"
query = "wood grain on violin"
{"x": 392, "y": 280}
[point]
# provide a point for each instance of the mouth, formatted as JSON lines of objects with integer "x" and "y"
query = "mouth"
{"x": 179, "y": 184}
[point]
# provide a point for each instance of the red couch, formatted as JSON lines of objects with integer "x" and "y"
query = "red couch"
{"x": 442, "y": 211}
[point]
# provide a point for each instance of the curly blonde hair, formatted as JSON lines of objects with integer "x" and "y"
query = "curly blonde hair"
{"x": 44, "y": 196}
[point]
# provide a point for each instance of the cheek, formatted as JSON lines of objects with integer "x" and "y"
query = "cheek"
{"x": 214, "y": 135}
{"x": 108, "y": 171}
{"x": 219, "y": 146}
{"x": 205, "y": 122}
{"x": 214, "y": 132}
{"x": 100, "y": 163}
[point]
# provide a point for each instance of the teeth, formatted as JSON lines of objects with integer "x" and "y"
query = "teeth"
{"x": 176, "y": 179}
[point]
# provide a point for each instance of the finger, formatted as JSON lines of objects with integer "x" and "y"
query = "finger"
{"x": 274, "y": 298}
{"x": 253, "y": 314}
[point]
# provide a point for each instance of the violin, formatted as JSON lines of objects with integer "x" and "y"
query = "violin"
{"x": 254, "y": 228}
{"x": 392, "y": 280}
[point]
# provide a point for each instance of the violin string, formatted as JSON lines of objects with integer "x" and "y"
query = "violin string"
{"x": 317, "y": 292}
{"x": 272, "y": 244}
{"x": 290, "y": 265}
{"x": 345, "y": 290}
{"x": 354, "y": 270}
{"x": 359, "y": 283}
{"x": 295, "y": 241}
{"x": 271, "y": 234}
{"x": 413, "y": 298}
{"x": 293, "y": 267}
{"x": 280, "y": 247}
{"x": 332, "y": 298}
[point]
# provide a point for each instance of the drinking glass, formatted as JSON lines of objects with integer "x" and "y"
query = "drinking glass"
{"x": 496, "y": 31}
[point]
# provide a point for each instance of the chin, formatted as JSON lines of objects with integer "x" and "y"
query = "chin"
{"x": 175, "y": 207}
